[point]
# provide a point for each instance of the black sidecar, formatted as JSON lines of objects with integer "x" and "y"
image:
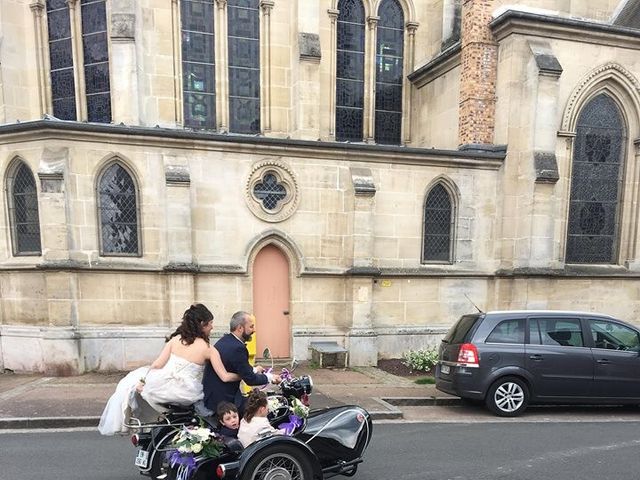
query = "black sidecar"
{"x": 330, "y": 442}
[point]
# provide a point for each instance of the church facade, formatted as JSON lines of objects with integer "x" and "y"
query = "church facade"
{"x": 357, "y": 171}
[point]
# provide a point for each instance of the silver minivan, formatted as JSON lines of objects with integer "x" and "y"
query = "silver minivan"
{"x": 509, "y": 359}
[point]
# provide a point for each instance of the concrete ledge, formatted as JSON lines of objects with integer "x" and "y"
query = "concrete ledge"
{"x": 422, "y": 401}
{"x": 48, "y": 422}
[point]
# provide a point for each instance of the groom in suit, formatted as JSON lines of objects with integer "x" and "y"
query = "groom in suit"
{"x": 235, "y": 357}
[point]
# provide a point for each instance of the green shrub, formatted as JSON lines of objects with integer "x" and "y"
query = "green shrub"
{"x": 420, "y": 360}
{"x": 425, "y": 381}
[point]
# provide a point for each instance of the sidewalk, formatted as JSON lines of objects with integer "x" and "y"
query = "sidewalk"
{"x": 36, "y": 401}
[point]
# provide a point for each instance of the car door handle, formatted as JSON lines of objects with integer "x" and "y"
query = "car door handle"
{"x": 603, "y": 361}
{"x": 536, "y": 357}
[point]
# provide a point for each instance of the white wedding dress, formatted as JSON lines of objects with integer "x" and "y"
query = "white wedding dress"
{"x": 178, "y": 382}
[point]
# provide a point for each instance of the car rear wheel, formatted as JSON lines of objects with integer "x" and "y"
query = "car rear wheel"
{"x": 508, "y": 397}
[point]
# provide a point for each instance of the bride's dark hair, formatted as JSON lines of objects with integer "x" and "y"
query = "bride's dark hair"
{"x": 194, "y": 318}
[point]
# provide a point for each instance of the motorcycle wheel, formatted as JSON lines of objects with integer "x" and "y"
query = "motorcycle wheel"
{"x": 278, "y": 462}
{"x": 159, "y": 466}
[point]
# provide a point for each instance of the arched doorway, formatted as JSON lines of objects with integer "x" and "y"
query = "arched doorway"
{"x": 271, "y": 302}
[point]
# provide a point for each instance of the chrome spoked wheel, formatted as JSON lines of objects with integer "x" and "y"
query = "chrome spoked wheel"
{"x": 278, "y": 467}
{"x": 279, "y": 461}
{"x": 508, "y": 397}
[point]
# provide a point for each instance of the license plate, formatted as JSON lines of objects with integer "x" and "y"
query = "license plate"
{"x": 445, "y": 369}
{"x": 142, "y": 459}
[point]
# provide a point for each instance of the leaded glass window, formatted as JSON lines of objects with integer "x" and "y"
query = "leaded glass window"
{"x": 389, "y": 62}
{"x": 23, "y": 211}
{"x": 244, "y": 65}
{"x": 118, "y": 212}
{"x": 438, "y": 226}
{"x": 596, "y": 176}
{"x": 198, "y": 63}
{"x": 63, "y": 89}
{"x": 95, "y": 47}
{"x": 350, "y": 71}
{"x": 270, "y": 192}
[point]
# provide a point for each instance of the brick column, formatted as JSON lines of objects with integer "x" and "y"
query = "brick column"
{"x": 479, "y": 58}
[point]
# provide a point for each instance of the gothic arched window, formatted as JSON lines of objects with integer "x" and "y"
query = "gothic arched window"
{"x": 596, "y": 176}
{"x": 23, "y": 211}
{"x": 438, "y": 235}
{"x": 198, "y": 63}
{"x": 389, "y": 63}
{"x": 95, "y": 47}
{"x": 350, "y": 71}
{"x": 244, "y": 65}
{"x": 118, "y": 212}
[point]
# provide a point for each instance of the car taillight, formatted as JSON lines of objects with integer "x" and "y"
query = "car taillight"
{"x": 135, "y": 439}
{"x": 220, "y": 471}
{"x": 468, "y": 354}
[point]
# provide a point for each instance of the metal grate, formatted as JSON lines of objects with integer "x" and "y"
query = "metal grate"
{"x": 198, "y": 63}
{"x": 26, "y": 222}
{"x": 350, "y": 71}
{"x": 596, "y": 183}
{"x": 118, "y": 212}
{"x": 244, "y": 65}
{"x": 438, "y": 226}
{"x": 270, "y": 192}
{"x": 389, "y": 61}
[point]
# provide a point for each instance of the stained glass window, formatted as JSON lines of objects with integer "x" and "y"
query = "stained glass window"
{"x": 596, "y": 176}
{"x": 95, "y": 46}
{"x": 23, "y": 211}
{"x": 270, "y": 192}
{"x": 389, "y": 62}
{"x": 63, "y": 89}
{"x": 244, "y": 65}
{"x": 438, "y": 225}
{"x": 198, "y": 63}
{"x": 118, "y": 212}
{"x": 350, "y": 71}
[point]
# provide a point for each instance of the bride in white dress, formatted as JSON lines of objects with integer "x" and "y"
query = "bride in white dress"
{"x": 174, "y": 377}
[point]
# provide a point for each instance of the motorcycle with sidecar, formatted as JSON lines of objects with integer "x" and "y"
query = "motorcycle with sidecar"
{"x": 327, "y": 443}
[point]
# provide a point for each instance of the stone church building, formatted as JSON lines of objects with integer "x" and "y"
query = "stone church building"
{"x": 357, "y": 171}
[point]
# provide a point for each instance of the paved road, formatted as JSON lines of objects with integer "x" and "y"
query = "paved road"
{"x": 476, "y": 451}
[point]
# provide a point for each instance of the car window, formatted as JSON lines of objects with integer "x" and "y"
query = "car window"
{"x": 613, "y": 336}
{"x": 458, "y": 332}
{"x": 508, "y": 331}
{"x": 565, "y": 332}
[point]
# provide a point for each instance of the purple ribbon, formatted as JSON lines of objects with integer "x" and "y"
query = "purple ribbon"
{"x": 286, "y": 375}
{"x": 187, "y": 461}
{"x": 289, "y": 427}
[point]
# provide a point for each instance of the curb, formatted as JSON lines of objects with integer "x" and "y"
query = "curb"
{"x": 423, "y": 401}
{"x": 19, "y": 423}
{"x": 388, "y": 411}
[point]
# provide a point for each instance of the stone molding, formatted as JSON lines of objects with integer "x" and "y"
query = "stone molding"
{"x": 580, "y": 31}
{"x": 362, "y": 180}
{"x": 177, "y": 175}
{"x": 309, "y": 45}
{"x": 114, "y": 135}
{"x": 285, "y": 176}
{"x": 546, "y": 167}
{"x": 608, "y": 73}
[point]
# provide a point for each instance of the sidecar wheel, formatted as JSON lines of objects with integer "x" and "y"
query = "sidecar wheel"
{"x": 278, "y": 462}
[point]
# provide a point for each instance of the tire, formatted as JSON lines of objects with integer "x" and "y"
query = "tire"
{"x": 508, "y": 397}
{"x": 278, "y": 462}
{"x": 160, "y": 464}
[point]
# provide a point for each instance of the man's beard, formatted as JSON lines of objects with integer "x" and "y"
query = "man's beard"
{"x": 246, "y": 337}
